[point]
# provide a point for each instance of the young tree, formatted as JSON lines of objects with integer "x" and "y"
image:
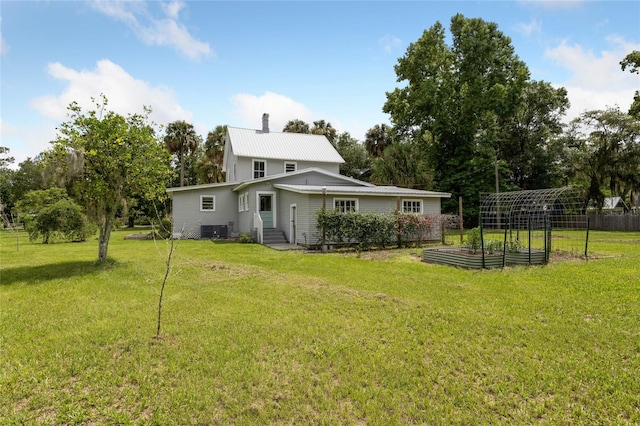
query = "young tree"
{"x": 181, "y": 139}
{"x": 120, "y": 157}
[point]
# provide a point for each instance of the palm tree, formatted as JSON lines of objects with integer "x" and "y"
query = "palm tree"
{"x": 377, "y": 139}
{"x": 181, "y": 138}
{"x": 402, "y": 164}
{"x": 322, "y": 127}
{"x": 296, "y": 126}
{"x": 210, "y": 164}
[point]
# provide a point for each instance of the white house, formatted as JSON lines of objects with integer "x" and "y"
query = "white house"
{"x": 275, "y": 185}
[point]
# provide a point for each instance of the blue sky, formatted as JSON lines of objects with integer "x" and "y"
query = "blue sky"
{"x": 212, "y": 62}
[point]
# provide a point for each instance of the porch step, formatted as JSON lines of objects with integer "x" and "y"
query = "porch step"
{"x": 273, "y": 236}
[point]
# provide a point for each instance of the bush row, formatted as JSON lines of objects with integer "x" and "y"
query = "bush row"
{"x": 368, "y": 230}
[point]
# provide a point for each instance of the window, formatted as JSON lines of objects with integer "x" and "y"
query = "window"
{"x": 344, "y": 205}
{"x": 290, "y": 166}
{"x": 207, "y": 203}
{"x": 243, "y": 202}
{"x": 412, "y": 206}
{"x": 259, "y": 169}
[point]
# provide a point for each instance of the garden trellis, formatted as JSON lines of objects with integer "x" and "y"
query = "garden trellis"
{"x": 547, "y": 219}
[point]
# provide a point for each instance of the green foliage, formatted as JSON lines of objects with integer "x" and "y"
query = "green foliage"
{"x": 356, "y": 160}
{"x": 367, "y": 230}
{"x": 473, "y": 239}
{"x": 182, "y": 139}
{"x": 603, "y": 151}
{"x": 34, "y": 201}
{"x": 245, "y": 238}
{"x": 492, "y": 246}
{"x": 403, "y": 164}
{"x": 470, "y": 102}
{"x": 632, "y": 61}
{"x": 62, "y": 219}
{"x": 115, "y": 158}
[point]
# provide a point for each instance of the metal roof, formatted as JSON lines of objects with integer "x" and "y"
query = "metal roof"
{"x": 346, "y": 179}
{"x": 384, "y": 191}
{"x": 281, "y": 145}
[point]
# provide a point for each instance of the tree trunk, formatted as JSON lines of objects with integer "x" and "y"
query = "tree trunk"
{"x": 105, "y": 224}
{"x": 181, "y": 168}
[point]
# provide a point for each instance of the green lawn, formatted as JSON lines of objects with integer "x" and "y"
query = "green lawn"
{"x": 255, "y": 336}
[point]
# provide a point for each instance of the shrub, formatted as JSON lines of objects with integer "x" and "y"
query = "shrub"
{"x": 63, "y": 219}
{"x": 368, "y": 230}
{"x": 245, "y": 238}
{"x": 473, "y": 240}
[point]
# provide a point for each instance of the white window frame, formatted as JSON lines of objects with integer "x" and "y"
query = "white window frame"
{"x": 246, "y": 201}
{"x": 412, "y": 201}
{"x": 213, "y": 202}
{"x": 241, "y": 202}
{"x": 253, "y": 168}
{"x": 290, "y": 163}
{"x": 342, "y": 209}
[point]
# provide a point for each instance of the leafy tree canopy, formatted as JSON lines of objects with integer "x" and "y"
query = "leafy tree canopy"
{"x": 632, "y": 61}
{"x": 119, "y": 157}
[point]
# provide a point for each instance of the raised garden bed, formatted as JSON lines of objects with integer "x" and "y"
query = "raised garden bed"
{"x": 456, "y": 256}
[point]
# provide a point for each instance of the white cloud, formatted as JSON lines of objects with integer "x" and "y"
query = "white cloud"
{"x": 125, "y": 93}
{"x": 596, "y": 79}
{"x": 163, "y": 31}
{"x": 248, "y": 110}
{"x": 533, "y": 27}
{"x": 7, "y": 130}
{"x": 389, "y": 43}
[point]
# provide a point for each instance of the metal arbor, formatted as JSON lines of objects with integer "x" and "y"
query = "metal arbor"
{"x": 539, "y": 213}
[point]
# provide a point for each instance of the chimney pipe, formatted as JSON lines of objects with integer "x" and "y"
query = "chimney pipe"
{"x": 265, "y": 123}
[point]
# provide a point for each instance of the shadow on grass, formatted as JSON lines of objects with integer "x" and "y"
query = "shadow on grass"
{"x": 52, "y": 271}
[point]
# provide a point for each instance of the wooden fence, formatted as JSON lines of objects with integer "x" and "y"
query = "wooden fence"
{"x": 614, "y": 222}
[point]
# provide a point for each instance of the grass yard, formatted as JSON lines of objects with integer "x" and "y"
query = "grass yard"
{"x": 255, "y": 336}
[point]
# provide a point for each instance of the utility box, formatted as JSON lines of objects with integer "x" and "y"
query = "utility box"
{"x": 214, "y": 231}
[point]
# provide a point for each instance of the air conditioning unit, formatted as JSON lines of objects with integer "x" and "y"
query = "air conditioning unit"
{"x": 213, "y": 231}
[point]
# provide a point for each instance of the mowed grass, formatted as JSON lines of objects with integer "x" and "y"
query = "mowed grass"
{"x": 255, "y": 336}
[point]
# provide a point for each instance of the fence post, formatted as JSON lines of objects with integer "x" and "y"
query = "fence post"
{"x": 504, "y": 244}
{"x": 529, "y": 232}
{"x": 586, "y": 242}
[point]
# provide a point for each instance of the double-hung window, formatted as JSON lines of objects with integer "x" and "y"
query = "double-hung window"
{"x": 412, "y": 206}
{"x": 259, "y": 169}
{"x": 207, "y": 203}
{"x": 344, "y": 205}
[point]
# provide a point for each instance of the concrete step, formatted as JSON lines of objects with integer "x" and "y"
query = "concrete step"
{"x": 273, "y": 236}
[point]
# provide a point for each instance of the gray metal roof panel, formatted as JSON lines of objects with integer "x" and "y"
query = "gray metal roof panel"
{"x": 282, "y": 145}
{"x": 363, "y": 190}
